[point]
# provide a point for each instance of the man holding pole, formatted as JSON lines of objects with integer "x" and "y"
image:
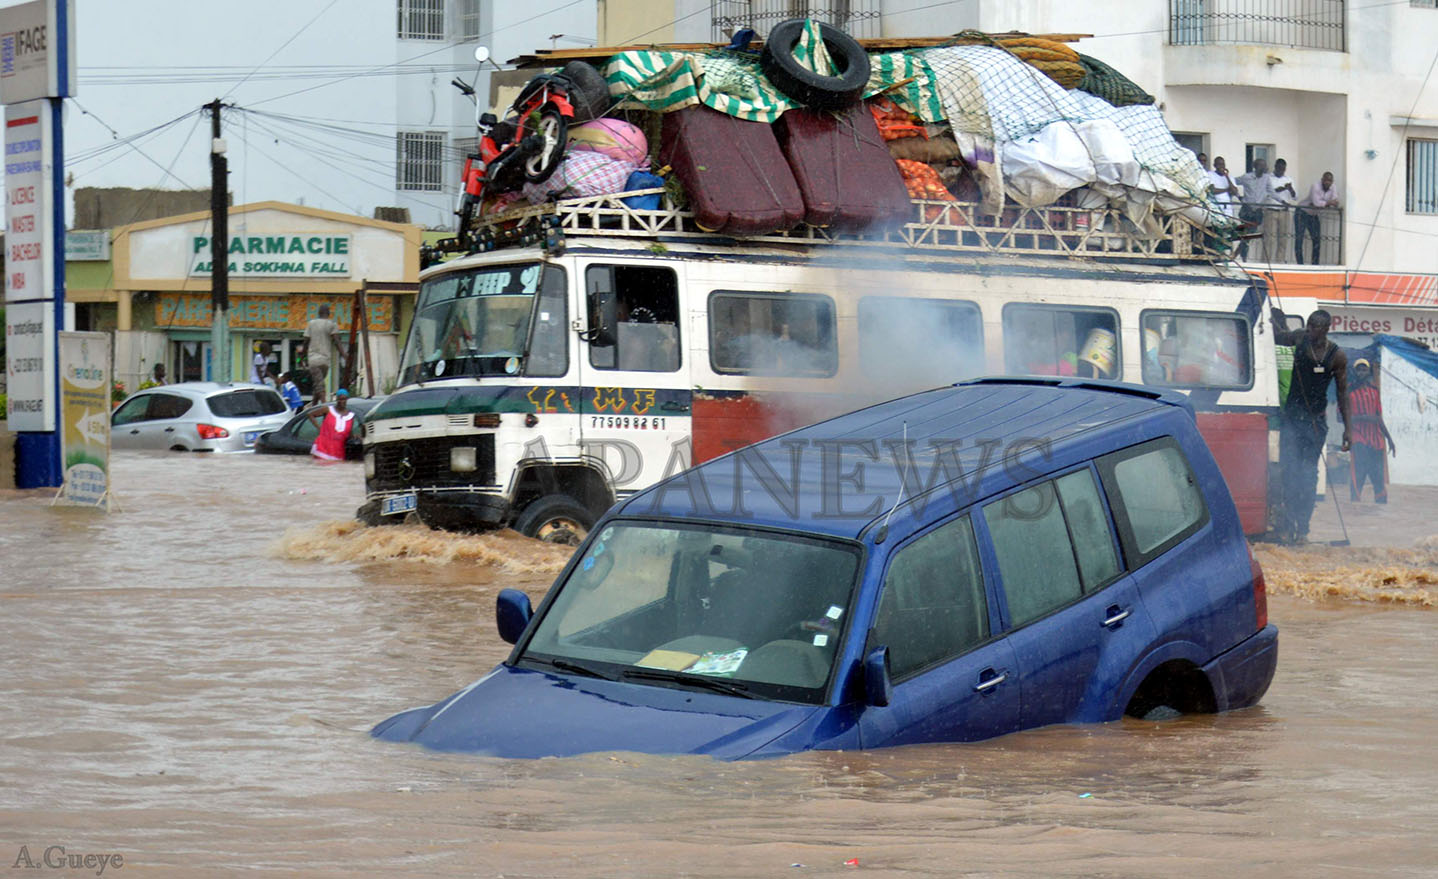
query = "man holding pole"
{"x": 1317, "y": 361}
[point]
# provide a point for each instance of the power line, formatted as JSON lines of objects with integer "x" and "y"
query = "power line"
{"x": 443, "y": 48}
{"x": 294, "y": 36}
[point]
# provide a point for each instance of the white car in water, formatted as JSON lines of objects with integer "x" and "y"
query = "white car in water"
{"x": 198, "y": 417}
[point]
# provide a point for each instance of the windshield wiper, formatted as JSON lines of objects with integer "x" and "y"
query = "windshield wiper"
{"x": 571, "y": 667}
{"x": 729, "y": 688}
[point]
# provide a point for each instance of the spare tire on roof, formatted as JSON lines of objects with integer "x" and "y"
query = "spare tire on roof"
{"x": 804, "y": 85}
{"x": 588, "y": 92}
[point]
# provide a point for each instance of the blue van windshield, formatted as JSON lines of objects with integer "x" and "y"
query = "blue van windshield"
{"x": 747, "y": 612}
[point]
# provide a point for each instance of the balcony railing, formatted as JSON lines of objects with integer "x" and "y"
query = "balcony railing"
{"x": 859, "y": 18}
{"x": 1291, "y": 236}
{"x": 1307, "y": 24}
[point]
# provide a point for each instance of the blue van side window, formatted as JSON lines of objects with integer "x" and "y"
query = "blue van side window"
{"x": 933, "y": 605}
{"x": 1088, "y": 524}
{"x": 1160, "y": 496}
{"x": 1035, "y": 556}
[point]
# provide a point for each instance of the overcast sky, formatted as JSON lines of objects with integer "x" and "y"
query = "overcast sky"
{"x": 321, "y": 84}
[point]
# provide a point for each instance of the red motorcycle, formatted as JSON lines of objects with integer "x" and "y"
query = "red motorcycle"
{"x": 528, "y": 146}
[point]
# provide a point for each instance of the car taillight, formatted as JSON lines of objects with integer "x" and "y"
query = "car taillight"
{"x": 1260, "y": 590}
{"x": 210, "y": 431}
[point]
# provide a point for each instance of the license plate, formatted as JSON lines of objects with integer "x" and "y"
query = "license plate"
{"x": 401, "y": 504}
{"x": 251, "y": 436}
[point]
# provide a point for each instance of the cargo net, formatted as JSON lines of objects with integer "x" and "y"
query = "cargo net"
{"x": 1030, "y": 139}
{"x": 1036, "y": 120}
{"x": 985, "y": 133}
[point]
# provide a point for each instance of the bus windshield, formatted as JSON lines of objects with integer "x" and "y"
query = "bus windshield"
{"x": 472, "y": 323}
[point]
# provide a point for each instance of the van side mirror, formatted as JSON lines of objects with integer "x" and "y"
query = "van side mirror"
{"x": 603, "y": 318}
{"x": 878, "y": 686}
{"x": 512, "y": 612}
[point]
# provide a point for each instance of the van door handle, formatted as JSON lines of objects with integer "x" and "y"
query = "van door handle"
{"x": 169, "y": 430}
{"x": 1116, "y": 616}
{"x": 984, "y": 685}
{"x": 135, "y": 431}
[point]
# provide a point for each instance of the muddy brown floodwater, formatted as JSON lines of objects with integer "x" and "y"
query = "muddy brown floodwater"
{"x": 188, "y": 683}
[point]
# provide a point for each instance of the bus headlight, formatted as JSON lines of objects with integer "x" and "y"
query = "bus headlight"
{"x": 369, "y": 470}
{"x": 462, "y": 459}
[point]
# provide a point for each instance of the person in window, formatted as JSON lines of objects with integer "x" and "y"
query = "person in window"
{"x": 335, "y": 425}
{"x": 1321, "y": 195}
{"x": 1224, "y": 189}
{"x": 291, "y": 392}
{"x": 259, "y": 363}
{"x": 1369, "y": 434}
{"x": 1280, "y": 217}
{"x": 1317, "y": 362}
{"x": 1257, "y": 186}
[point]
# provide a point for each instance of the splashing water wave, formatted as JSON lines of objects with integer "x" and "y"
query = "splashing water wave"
{"x": 1386, "y": 575}
{"x": 350, "y": 541}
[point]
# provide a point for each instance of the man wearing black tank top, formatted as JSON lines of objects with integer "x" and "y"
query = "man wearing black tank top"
{"x": 1304, "y": 424}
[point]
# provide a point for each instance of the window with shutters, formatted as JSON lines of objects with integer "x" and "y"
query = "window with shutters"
{"x": 421, "y": 19}
{"x": 1422, "y": 191}
{"x": 420, "y": 161}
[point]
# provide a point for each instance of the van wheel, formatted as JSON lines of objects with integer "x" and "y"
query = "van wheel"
{"x": 555, "y": 518}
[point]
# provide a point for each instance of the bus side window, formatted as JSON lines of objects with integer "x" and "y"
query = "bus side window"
{"x": 912, "y": 342}
{"x": 790, "y": 334}
{"x": 1196, "y": 350}
{"x": 1061, "y": 340}
{"x": 634, "y": 318}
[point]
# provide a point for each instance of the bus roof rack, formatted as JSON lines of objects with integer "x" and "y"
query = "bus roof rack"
{"x": 934, "y": 226}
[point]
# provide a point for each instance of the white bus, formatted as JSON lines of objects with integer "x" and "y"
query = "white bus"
{"x": 595, "y": 349}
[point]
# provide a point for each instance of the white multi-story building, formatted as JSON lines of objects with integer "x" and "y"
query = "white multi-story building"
{"x": 338, "y": 106}
{"x": 1328, "y": 85}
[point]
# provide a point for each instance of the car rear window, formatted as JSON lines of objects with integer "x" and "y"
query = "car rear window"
{"x": 163, "y": 406}
{"x": 1162, "y": 502}
{"x": 246, "y": 403}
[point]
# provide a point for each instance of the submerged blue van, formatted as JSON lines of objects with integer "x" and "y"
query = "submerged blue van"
{"x": 945, "y": 567}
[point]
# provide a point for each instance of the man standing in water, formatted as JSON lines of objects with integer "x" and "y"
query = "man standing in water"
{"x": 1304, "y": 425}
{"x": 1369, "y": 434}
{"x": 321, "y": 340}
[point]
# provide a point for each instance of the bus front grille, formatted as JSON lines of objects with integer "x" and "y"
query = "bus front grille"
{"x": 419, "y": 463}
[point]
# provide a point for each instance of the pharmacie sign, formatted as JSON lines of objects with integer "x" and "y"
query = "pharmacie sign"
{"x": 277, "y": 256}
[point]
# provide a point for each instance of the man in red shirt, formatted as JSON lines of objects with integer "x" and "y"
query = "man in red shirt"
{"x": 1369, "y": 433}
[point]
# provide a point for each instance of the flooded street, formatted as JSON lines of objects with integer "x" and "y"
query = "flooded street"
{"x": 189, "y": 682}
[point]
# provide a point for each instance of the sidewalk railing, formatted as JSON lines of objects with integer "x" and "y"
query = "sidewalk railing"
{"x": 1291, "y": 235}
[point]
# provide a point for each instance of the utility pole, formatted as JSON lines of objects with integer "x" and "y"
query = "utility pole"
{"x": 220, "y": 357}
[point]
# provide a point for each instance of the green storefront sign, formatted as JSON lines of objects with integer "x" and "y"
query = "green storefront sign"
{"x": 277, "y": 256}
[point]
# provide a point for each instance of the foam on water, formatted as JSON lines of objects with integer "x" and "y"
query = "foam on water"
{"x": 350, "y": 541}
{"x": 1387, "y": 575}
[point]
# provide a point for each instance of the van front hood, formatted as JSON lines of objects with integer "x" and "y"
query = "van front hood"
{"x": 514, "y": 712}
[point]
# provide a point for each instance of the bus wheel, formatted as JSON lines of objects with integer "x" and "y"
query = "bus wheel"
{"x": 555, "y": 518}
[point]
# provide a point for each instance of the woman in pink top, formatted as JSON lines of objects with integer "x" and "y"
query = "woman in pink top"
{"x": 334, "y": 425}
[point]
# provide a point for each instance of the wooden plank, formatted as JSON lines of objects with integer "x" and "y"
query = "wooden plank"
{"x": 557, "y": 57}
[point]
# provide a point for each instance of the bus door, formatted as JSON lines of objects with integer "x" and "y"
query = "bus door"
{"x": 634, "y": 386}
